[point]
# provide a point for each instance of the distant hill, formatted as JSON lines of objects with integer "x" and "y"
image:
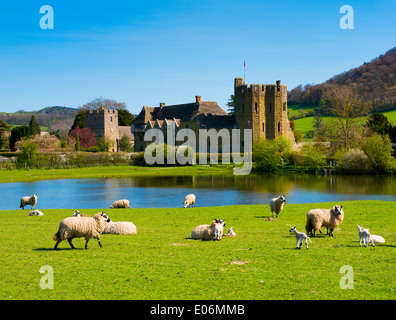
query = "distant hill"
{"x": 56, "y": 117}
{"x": 374, "y": 80}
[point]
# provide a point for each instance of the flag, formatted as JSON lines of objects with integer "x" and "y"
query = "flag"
{"x": 244, "y": 64}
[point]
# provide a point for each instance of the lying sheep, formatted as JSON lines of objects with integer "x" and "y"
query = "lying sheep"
{"x": 205, "y": 231}
{"x": 276, "y": 205}
{"x": 124, "y": 203}
{"x": 328, "y": 218}
{"x": 366, "y": 237}
{"x": 189, "y": 200}
{"x": 300, "y": 237}
{"x": 28, "y": 200}
{"x": 77, "y": 214}
{"x": 88, "y": 228}
{"x": 230, "y": 233}
{"x": 122, "y": 227}
{"x": 36, "y": 213}
{"x": 218, "y": 229}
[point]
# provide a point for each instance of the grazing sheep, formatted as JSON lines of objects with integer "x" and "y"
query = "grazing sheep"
{"x": 205, "y": 231}
{"x": 36, "y": 213}
{"x": 365, "y": 236}
{"x": 124, "y": 203}
{"x": 218, "y": 229}
{"x": 189, "y": 200}
{"x": 88, "y": 228}
{"x": 276, "y": 205}
{"x": 122, "y": 227}
{"x": 300, "y": 236}
{"x": 28, "y": 200}
{"x": 230, "y": 233}
{"x": 328, "y": 218}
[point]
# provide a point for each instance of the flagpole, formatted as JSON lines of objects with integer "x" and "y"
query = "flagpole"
{"x": 244, "y": 69}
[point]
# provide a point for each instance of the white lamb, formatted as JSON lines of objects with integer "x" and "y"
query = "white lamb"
{"x": 230, "y": 233}
{"x": 123, "y": 203}
{"x": 218, "y": 229}
{"x": 365, "y": 236}
{"x": 300, "y": 236}
{"x": 36, "y": 213}
{"x": 276, "y": 205}
{"x": 189, "y": 200}
{"x": 28, "y": 200}
{"x": 88, "y": 228}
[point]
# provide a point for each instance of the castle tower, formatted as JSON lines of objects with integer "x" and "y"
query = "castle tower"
{"x": 105, "y": 124}
{"x": 262, "y": 108}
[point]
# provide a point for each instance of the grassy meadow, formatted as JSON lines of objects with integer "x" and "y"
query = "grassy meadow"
{"x": 162, "y": 262}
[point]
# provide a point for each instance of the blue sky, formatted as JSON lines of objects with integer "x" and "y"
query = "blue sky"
{"x": 146, "y": 52}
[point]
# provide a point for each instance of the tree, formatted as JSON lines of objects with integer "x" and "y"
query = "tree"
{"x": 379, "y": 123}
{"x": 108, "y": 104}
{"x": 125, "y": 118}
{"x": 77, "y": 145}
{"x": 346, "y": 106}
{"x": 34, "y": 126}
{"x": 28, "y": 157}
{"x": 17, "y": 133}
{"x": 231, "y": 105}
{"x": 124, "y": 143}
{"x": 265, "y": 155}
{"x": 86, "y": 137}
{"x": 313, "y": 159}
{"x": 379, "y": 151}
{"x": 79, "y": 120}
{"x": 5, "y": 128}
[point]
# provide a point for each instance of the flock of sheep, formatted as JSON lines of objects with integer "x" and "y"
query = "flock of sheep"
{"x": 82, "y": 226}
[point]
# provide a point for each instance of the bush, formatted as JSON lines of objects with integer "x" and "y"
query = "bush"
{"x": 28, "y": 157}
{"x": 355, "y": 160}
{"x": 265, "y": 155}
{"x": 312, "y": 158}
{"x": 379, "y": 151}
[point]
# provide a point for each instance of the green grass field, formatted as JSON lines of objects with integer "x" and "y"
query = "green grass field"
{"x": 162, "y": 262}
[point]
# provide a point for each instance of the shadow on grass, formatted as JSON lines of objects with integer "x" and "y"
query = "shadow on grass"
{"x": 59, "y": 249}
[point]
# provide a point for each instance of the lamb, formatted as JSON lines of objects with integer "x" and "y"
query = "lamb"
{"x": 88, "y": 228}
{"x": 36, "y": 213}
{"x": 28, "y": 200}
{"x": 189, "y": 200}
{"x": 276, "y": 205}
{"x": 328, "y": 218}
{"x": 77, "y": 214}
{"x": 218, "y": 229}
{"x": 122, "y": 227}
{"x": 123, "y": 203}
{"x": 205, "y": 231}
{"x": 365, "y": 236}
{"x": 300, "y": 236}
{"x": 230, "y": 233}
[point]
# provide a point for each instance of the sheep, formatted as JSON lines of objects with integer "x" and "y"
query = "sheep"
{"x": 218, "y": 229}
{"x": 365, "y": 236}
{"x": 300, "y": 236}
{"x": 36, "y": 213}
{"x": 205, "y": 231}
{"x": 123, "y": 203}
{"x": 77, "y": 214}
{"x": 88, "y": 228}
{"x": 28, "y": 200}
{"x": 230, "y": 233}
{"x": 189, "y": 200}
{"x": 329, "y": 218}
{"x": 122, "y": 227}
{"x": 276, "y": 205}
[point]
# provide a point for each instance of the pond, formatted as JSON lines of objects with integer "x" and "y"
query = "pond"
{"x": 169, "y": 191}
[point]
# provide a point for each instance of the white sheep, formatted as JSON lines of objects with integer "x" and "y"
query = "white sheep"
{"x": 189, "y": 200}
{"x": 218, "y": 229}
{"x": 123, "y": 203}
{"x": 300, "y": 237}
{"x": 77, "y": 214}
{"x": 88, "y": 228}
{"x": 204, "y": 231}
{"x": 230, "y": 233}
{"x": 36, "y": 213}
{"x": 329, "y": 218}
{"x": 28, "y": 200}
{"x": 366, "y": 237}
{"x": 122, "y": 227}
{"x": 276, "y": 205}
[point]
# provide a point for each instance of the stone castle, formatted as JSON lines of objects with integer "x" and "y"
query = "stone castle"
{"x": 260, "y": 107}
{"x": 104, "y": 123}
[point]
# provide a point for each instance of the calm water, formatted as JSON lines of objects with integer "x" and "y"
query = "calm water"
{"x": 169, "y": 192}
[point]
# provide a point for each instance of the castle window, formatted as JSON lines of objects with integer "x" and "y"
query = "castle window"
{"x": 111, "y": 119}
{"x": 270, "y": 107}
{"x": 263, "y": 127}
{"x": 284, "y": 106}
{"x": 279, "y": 127}
{"x": 255, "y": 107}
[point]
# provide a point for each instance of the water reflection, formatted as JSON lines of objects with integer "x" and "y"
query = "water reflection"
{"x": 155, "y": 192}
